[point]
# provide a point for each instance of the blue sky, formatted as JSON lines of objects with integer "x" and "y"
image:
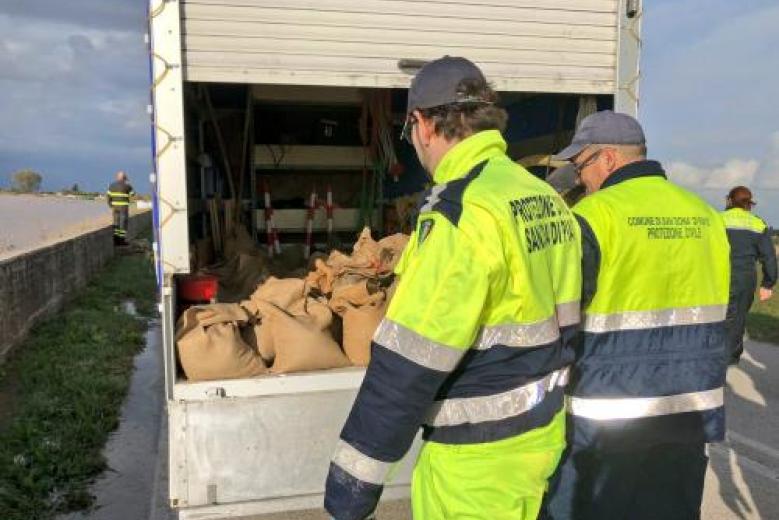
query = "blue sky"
{"x": 710, "y": 71}
{"x": 73, "y": 79}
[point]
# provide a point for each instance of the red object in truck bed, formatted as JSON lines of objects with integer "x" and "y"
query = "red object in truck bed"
{"x": 197, "y": 288}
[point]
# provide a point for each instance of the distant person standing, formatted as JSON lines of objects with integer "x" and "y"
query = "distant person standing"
{"x": 750, "y": 241}
{"x": 118, "y": 195}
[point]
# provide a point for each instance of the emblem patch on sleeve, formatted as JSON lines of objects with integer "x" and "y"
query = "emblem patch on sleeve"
{"x": 425, "y": 227}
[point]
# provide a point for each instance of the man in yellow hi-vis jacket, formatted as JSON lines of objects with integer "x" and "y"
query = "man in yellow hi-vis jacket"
{"x": 646, "y": 390}
{"x": 477, "y": 339}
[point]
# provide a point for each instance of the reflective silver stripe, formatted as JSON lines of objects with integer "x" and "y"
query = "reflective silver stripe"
{"x": 569, "y": 313}
{"x": 433, "y": 198}
{"x": 652, "y": 319}
{"x": 417, "y": 348}
{"x": 518, "y": 335}
{"x": 359, "y": 465}
{"x": 602, "y": 409}
{"x": 463, "y": 410}
{"x": 529, "y": 334}
{"x": 745, "y": 228}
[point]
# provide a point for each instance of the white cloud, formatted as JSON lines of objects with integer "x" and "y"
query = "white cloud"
{"x": 714, "y": 181}
{"x": 732, "y": 173}
{"x": 760, "y": 173}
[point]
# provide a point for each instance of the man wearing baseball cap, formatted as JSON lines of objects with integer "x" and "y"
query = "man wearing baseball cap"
{"x": 646, "y": 391}
{"x": 750, "y": 242}
{"x": 477, "y": 339}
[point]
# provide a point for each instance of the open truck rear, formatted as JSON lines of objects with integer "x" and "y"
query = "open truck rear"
{"x": 298, "y": 73}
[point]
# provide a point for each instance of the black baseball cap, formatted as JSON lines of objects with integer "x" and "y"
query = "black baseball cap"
{"x": 605, "y": 127}
{"x": 436, "y": 83}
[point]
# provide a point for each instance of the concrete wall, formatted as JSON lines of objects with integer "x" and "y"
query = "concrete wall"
{"x": 38, "y": 283}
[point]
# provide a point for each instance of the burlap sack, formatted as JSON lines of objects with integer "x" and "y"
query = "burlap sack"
{"x": 280, "y": 292}
{"x": 359, "y": 326}
{"x": 210, "y": 345}
{"x": 369, "y": 258}
{"x": 390, "y": 250}
{"x": 299, "y": 342}
{"x": 258, "y": 336}
{"x": 322, "y": 277}
{"x": 366, "y": 252}
{"x": 353, "y": 294}
{"x": 316, "y": 311}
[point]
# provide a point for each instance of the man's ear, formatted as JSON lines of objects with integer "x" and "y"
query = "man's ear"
{"x": 612, "y": 158}
{"x": 425, "y": 127}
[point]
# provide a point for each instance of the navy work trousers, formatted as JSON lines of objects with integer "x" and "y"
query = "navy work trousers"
{"x": 660, "y": 482}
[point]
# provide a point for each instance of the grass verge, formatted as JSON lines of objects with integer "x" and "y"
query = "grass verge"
{"x": 64, "y": 388}
{"x": 763, "y": 320}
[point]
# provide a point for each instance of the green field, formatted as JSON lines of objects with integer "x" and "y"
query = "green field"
{"x": 763, "y": 320}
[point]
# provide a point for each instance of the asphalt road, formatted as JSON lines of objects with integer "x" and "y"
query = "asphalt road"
{"x": 743, "y": 480}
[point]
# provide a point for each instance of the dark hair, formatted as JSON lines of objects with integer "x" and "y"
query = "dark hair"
{"x": 740, "y": 197}
{"x": 459, "y": 120}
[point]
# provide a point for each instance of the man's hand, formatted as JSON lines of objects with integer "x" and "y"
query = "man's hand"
{"x": 765, "y": 294}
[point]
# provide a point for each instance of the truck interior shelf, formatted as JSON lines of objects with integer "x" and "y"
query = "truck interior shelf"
{"x": 311, "y": 157}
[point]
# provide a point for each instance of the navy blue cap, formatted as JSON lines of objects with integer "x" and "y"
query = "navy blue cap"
{"x": 605, "y": 127}
{"x": 436, "y": 83}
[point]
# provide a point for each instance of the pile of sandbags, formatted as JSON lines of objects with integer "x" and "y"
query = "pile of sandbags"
{"x": 358, "y": 288}
{"x": 292, "y": 324}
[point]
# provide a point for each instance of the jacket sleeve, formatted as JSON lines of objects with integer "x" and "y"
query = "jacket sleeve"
{"x": 108, "y": 197}
{"x": 590, "y": 261}
{"x": 432, "y": 321}
{"x": 767, "y": 257}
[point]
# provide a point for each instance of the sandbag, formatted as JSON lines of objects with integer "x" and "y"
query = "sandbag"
{"x": 390, "y": 250}
{"x": 359, "y": 326}
{"x": 321, "y": 277}
{"x": 366, "y": 251}
{"x": 258, "y": 336}
{"x": 353, "y": 294}
{"x": 280, "y": 292}
{"x": 360, "y": 323}
{"x": 210, "y": 344}
{"x": 299, "y": 342}
{"x": 317, "y": 311}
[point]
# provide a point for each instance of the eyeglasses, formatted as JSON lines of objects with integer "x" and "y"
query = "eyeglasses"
{"x": 408, "y": 126}
{"x": 588, "y": 161}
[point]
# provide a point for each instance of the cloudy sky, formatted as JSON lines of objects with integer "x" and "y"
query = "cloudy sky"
{"x": 73, "y": 85}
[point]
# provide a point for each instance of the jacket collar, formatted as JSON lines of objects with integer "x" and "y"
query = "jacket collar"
{"x": 466, "y": 154}
{"x": 634, "y": 170}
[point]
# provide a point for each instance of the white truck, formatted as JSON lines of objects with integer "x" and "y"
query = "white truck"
{"x": 251, "y": 446}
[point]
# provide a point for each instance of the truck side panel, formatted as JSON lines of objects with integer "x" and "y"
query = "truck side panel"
{"x": 527, "y": 45}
